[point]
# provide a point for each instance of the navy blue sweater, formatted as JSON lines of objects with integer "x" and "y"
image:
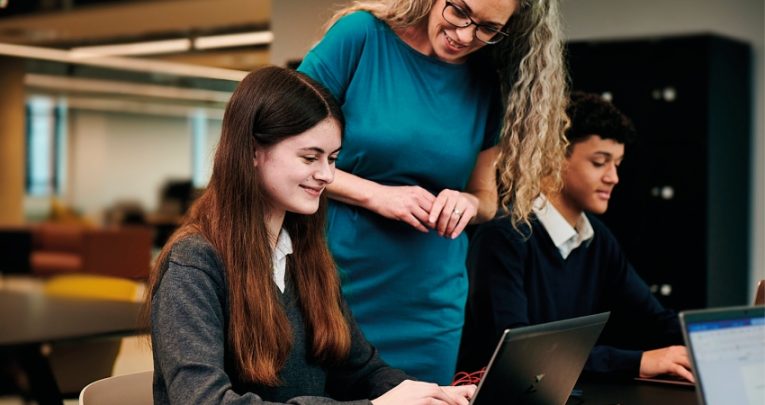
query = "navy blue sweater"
{"x": 517, "y": 281}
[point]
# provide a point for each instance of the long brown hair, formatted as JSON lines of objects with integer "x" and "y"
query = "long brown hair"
{"x": 269, "y": 105}
{"x": 534, "y": 87}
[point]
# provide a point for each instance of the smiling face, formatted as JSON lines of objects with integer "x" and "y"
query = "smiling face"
{"x": 590, "y": 175}
{"x": 295, "y": 171}
{"x": 453, "y": 44}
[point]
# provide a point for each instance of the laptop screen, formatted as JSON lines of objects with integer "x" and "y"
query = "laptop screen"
{"x": 728, "y": 349}
{"x": 539, "y": 364}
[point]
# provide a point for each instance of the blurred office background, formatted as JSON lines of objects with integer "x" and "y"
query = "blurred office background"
{"x": 103, "y": 137}
{"x": 97, "y": 130}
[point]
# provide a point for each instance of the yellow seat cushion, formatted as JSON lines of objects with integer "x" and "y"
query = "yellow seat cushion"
{"x": 92, "y": 286}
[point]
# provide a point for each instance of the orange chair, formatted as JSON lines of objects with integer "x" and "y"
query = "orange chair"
{"x": 75, "y": 248}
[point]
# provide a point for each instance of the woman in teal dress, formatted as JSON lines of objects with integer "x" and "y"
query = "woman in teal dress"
{"x": 437, "y": 95}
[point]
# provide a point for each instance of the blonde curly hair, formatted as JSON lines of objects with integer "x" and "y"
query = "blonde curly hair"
{"x": 534, "y": 86}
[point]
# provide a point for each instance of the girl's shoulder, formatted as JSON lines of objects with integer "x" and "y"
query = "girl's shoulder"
{"x": 194, "y": 251}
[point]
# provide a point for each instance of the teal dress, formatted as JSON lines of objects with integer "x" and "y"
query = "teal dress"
{"x": 410, "y": 120}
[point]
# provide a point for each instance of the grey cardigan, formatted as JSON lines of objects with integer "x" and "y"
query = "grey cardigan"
{"x": 193, "y": 365}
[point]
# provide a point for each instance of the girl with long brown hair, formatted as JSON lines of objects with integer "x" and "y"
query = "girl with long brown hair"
{"x": 245, "y": 303}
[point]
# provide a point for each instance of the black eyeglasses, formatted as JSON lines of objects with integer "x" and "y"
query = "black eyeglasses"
{"x": 460, "y": 18}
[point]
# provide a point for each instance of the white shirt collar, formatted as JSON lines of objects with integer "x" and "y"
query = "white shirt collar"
{"x": 564, "y": 236}
{"x": 279, "y": 259}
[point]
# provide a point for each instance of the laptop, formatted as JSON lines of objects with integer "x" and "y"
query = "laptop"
{"x": 539, "y": 364}
{"x": 727, "y": 348}
{"x": 759, "y": 299}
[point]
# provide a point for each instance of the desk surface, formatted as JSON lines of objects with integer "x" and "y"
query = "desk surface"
{"x": 630, "y": 392}
{"x": 33, "y": 318}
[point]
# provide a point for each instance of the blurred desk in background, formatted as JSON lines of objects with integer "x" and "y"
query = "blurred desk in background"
{"x": 31, "y": 319}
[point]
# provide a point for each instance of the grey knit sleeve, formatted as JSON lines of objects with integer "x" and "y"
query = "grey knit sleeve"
{"x": 364, "y": 374}
{"x": 188, "y": 334}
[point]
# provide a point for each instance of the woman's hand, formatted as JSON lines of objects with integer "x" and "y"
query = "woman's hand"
{"x": 420, "y": 393}
{"x": 452, "y": 212}
{"x": 410, "y": 204}
{"x": 669, "y": 360}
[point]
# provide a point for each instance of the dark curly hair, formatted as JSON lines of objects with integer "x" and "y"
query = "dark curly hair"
{"x": 591, "y": 115}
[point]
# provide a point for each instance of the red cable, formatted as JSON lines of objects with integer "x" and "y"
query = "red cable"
{"x": 465, "y": 378}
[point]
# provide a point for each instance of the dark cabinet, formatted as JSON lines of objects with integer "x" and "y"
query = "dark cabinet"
{"x": 682, "y": 208}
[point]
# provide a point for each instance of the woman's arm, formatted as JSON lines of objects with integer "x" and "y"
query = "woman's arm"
{"x": 483, "y": 185}
{"x": 449, "y": 213}
{"x": 410, "y": 204}
{"x": 453, "y": 210}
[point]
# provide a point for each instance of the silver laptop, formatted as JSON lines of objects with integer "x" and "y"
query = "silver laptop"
{"x": 539, "y": 364}
{"x": 727, "y": 348}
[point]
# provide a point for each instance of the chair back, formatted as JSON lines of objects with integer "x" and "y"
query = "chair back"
{"x": 128, "y": 389}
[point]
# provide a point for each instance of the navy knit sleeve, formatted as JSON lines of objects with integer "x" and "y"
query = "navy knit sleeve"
{"x": 641, "y": 322}
{"x": 637, "y": 300}
{"x": 607, "y": 359}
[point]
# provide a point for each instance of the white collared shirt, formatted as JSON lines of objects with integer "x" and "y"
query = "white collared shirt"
{"x": 565, "y": 237}
{"x": 279, "y": 259}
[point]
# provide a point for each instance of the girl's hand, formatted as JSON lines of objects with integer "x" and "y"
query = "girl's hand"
{"x": 420, "y": 393}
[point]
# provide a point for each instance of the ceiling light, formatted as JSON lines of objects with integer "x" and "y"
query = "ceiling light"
{"x": 84, "y": 85}
{"x": 131, "y": 64}
{"x": 134, "y": 48}
{"x": 231, "y": 40}
{"x": 141, "y": 107}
